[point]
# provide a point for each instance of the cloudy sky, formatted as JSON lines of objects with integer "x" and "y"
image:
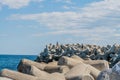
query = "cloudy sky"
{"x": 26, "y": 26}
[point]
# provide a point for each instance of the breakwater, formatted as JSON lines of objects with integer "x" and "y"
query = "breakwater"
{"x": 110, "y": 53}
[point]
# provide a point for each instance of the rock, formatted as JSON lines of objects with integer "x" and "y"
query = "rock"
{"x": 16, "y": 75}
{"x": 105, "y": 75}
{"x": 82, "y": 55}
{"x": 4, "y": 78}
{"x": 60, "y": 69}
{"x": 110, "y": 74}
{"x": 25, "y": 62}
{"x": 42, "y": 75}
{"x": 79, "y": 70}
{"x": 101, "y": 56}
{"x": 77, "y": 58}
{"x": 37, "y": 72}
{"x": 93, "y": 52}
{"x": 116, "y": 68}
{"x": 87, "y": 77}
{"x": 54, "y": 63}
{"x": 57, "y": 76}
{"x": 112, "y": 49}
{"x": 64, "y": 69}
{"x": 52, "y": 69}
{"x": 82, "y": 77}
{"x": 94, "y": 72}
{"x": 68, "y": 61}
{"x": 25, "y": 65}
{"x": 99, "y": 64}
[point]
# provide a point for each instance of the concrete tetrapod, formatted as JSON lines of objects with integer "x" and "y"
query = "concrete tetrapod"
{"x": 74, "y": 60}
{"x": 42, "y": 75}
{"x": 70, "y": 62}
{"x": 60, "y": 69}
{"x": 24, "y": 62}
{"x": 16, "y": 75}
{"x": 4, "y": 78}
{"x": 78, "y": 71}
{"x": 99, "y": 64}
{"x": 110, "y": 74}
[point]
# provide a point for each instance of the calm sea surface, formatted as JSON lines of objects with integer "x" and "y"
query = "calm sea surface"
{"x": 11, "y": 61}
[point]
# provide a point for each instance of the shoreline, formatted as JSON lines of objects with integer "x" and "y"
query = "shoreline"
{"x": 66, "y": 68}
{"x": 69, "y": 62}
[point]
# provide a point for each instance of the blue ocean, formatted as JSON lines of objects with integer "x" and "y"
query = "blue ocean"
{"x": 12, "y": 61}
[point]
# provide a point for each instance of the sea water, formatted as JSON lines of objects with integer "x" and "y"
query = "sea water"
{"x": 12, "y": 61}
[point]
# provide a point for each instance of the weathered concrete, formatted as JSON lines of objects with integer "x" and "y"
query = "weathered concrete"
{"x": 80, "y": 70}
{"x": 110, "y": 74}
{"x": 16, "y": 75}
{"x": 4, "y": 78}
{"x": 25, "y": 62}
{"x": 60, "y": 69}
{"x": 85, "y": 51}
{"x": 68, "y": 61}
{"x": 99, "y": 64}
{"x": 42, "y": 75}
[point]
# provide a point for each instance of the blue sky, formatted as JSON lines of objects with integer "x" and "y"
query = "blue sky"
{"x": 26, "y": 26}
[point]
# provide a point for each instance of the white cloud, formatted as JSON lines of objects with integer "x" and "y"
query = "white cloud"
{"x": 16, "y": 4}
{"x": 54, "y": 20}
{"x": 66, "y": 7}
{"x": 98, "y": 19}
{"x": 95, "y": 32}
{"x": 37, "y": 0}
{"x": 87, "y": 16}
{"x": 65, "y": 1}
{"x": 95, "y": 35}
{"x": 117, "y": 35}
